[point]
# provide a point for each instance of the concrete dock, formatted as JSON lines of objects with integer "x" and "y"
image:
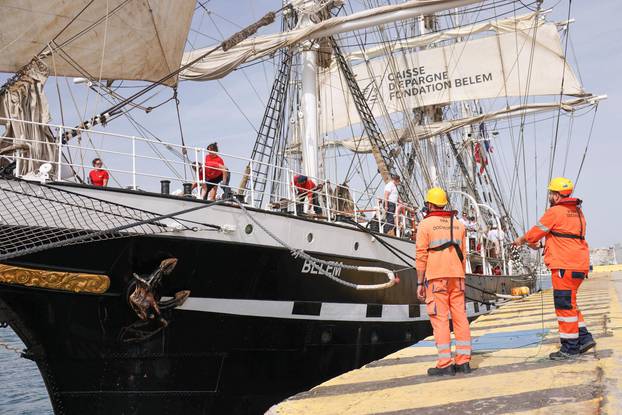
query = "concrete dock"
{"x": 512, "y": 372}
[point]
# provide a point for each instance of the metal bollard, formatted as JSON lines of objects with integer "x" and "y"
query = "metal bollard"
{"x": 165, "y": 187}
{"x": 187, "y": 189}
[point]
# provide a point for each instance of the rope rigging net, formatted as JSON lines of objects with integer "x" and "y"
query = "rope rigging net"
{"x": 35, "y": 217}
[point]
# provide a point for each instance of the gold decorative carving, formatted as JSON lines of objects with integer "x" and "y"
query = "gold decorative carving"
{"x": 56, "y": 280}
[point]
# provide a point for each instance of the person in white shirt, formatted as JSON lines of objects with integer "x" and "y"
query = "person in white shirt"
{"x": 391, "y": 197}
{"x": 472, "y": 233}
{"x": 472, "y": 226}
{"x": 495, "y": 237}
{"x": 465, "y": 220}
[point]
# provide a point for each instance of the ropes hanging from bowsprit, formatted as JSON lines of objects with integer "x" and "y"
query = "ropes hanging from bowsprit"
{"x": 36, "y": 217}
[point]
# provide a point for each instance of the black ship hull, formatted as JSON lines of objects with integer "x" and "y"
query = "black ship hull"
{"x": 205, "y": 363}
{"x": 259, "y": 325}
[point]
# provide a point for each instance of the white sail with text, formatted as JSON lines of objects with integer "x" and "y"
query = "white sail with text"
{"x": 526, "y": 62}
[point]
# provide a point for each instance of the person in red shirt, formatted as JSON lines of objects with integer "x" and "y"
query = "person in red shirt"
{"x": 98, "y": 176}
{"x": 214, "y": 172}
{"x": 306, "y": 187}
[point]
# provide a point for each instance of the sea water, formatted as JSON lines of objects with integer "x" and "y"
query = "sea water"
{"x": 22, "y": 391}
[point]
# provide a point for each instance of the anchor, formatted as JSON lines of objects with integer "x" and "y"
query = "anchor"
{"x": 146, "y": 302}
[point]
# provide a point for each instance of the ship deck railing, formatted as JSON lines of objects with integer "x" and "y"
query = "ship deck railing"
{"x": 139, "y": 163}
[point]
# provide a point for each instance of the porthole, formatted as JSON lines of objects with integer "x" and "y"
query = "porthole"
{"x": 309, "y": 237}
{"x": 326, "y": 337}
{"x": 248, "y": 229}
{"x": 374, "y": 338}
{"x": 356, "y": 246}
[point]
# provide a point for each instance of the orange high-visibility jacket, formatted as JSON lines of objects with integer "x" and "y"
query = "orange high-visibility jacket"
{"x": 563, "y": 226}
{"x": 433, "y": 232}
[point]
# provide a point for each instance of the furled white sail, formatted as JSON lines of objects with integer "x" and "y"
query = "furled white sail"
{"x": 524, "y": 62}
{"x": 25, "y": 100}
{"x": 423, "y": 132}
{"x": 220, "y": 63}
{"x": 108, "y": 39}
{"x": 511, "y": 24}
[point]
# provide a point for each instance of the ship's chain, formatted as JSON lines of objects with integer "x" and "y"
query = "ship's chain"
{"x": 6, "y": 345}
{"x": 10, "y": 348}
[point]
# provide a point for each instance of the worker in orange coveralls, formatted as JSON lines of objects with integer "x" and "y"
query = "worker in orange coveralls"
{"x": 440, "y": 267}
{"x": 567, "y": 255}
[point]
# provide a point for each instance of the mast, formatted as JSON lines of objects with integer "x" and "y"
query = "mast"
{"x": 309, "y": 57}
{"x": 434, "y": 113}
{"x": 309, "y": 101}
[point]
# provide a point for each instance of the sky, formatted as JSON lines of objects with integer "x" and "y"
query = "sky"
{"x": 596, "y": 42}
{"x": 229, "y": 111}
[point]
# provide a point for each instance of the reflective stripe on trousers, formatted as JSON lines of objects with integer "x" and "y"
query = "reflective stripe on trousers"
{"x": 463, "y": 347}
{"x": 444, "y": 350}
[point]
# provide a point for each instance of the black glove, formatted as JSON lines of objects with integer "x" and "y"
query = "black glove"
{"x": 226, "y": 192}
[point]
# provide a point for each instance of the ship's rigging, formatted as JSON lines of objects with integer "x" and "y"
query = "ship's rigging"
{"x": 456, "y": 93}
{"x": 456, "y": 151}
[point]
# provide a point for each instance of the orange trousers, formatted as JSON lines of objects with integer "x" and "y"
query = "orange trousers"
{"x": 445, "y": 295}
{"x": 572, "y": 327}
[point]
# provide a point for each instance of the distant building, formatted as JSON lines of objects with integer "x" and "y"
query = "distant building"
{"x": 606, "y": 256}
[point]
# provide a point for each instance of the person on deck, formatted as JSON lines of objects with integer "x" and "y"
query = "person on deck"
{"x": 214, "y": 172}
{"x": 567, "y": 255}
{"x": 441, "y": 267}
{"x": 495, "y": 238}
{"x": 391, "y": 197}
{"x": 98, "y": 176}
{"x": 472, "y": 227}
{"x": 472, "y": 233}
{"x": 465, "y": 220}
{"x": 306, "y": 188}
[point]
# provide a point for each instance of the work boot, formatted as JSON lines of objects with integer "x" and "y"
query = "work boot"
{"x": 442, "y": 371}
{"x": 563, "y": 356}
{"x": 587, "y": 346}
{"x": 586, "y": 341}
{"x": 463, "y": 368}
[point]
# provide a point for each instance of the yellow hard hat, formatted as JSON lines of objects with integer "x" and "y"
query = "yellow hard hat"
{"x": 562, "y": 185}
{"x": 436, "y": 196}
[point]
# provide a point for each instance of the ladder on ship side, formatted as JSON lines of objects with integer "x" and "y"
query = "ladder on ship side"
{"x": 380, "y": 148}
{"x": 270, "y": 132}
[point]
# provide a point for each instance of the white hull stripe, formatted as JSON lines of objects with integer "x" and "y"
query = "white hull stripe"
{"x": 315, "y": 311}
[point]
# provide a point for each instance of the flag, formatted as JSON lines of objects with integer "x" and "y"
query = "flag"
{"x": 481, "y": 153}
{"x": 483, "y": 133}
{"x": 480, "y": 157}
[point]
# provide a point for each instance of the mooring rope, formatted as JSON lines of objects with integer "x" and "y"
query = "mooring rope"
{"x": 317, "y": 263}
